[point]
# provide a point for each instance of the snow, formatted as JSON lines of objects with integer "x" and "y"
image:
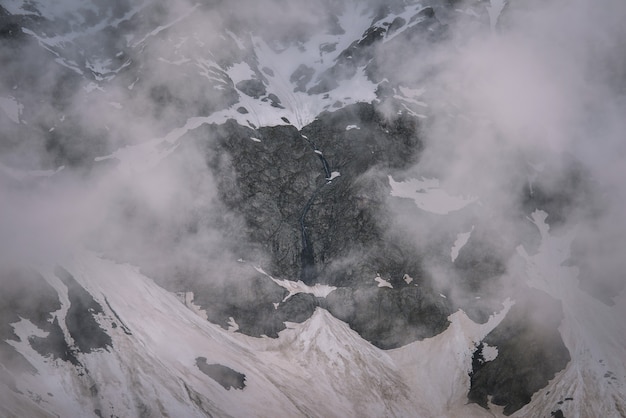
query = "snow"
{"x": 308, "y": 362}
{"x": 408, "y": 279}
{"x": 255, "y": 139}
{"x": 318, "y": 290}
{"x": 350, "y": 127}
{"x": 322, "y": 358}
{"x": 489, "y": 353}
{"x": 438, "y": 368}
{"x": 592, "y": 332}
{"x": 12, "y": 108}
{"x": 233, "y": 326}
{"x": 428, "y": 196}
{"x": 146, "y": 155}
{"x": 240, "y": 71}
{"x": 461, "y": 239}
{"x": 28, "y": 174}
{"x": 159, "y": 29}
{"x": 495, "y": 9}
{"x": 333, "y": 175}
{"x": 382, "y": 282}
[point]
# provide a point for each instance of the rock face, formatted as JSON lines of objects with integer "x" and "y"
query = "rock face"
{"x": 530, "y": 353}
{"x": 15, "y": 303}
{"x": 223, "y": 375}
{"x": 314, "y": 200}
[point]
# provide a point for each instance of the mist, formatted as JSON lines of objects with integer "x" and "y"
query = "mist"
{"x": 524, "y": 113}
{"x": 528, "y": 113}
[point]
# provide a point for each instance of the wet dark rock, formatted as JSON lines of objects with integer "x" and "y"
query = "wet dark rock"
{"x": 275, "y": 101}
{"x": 253, "y": 88}
{"x": 390, "y": 318}
{"x": 358, "y": 54}
{"x": 80, "y": 319}
{"x": 331, "y": 232}
{"x": 530, "y": 353}
{"x": 54, "y": 344}
{"x": 301, "y": 77}
{"x": 26, "y": 294}
{"x": 223, "y": 375}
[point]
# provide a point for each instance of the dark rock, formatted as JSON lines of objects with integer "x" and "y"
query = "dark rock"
{"x": 81, "y": 316}
{"x": 54, "y": 344}
{"x": 530, "y": 353}
{"x": 301, "y": 77}
{"x": 253, "y": 88}
{"x": 275, "y": 101}
{"x": 328, "y": 47}
{"x": 242, "y": 110}
{"x": 397, "y": 23}
{"x": 26, "y": 294}
{"x": 223, "y": 375}
{"x": 320, "y": 231}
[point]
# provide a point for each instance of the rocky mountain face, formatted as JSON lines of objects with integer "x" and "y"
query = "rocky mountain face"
{"x": 249, "y": 210}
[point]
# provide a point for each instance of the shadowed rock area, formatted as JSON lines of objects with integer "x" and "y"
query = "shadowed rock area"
{"x": 223, "y": 375}
{"x": 530, "y": 353}
{"x": 80, "y": 319}
{"x": 27, "y": 295}
{"x": 315, "y": 201}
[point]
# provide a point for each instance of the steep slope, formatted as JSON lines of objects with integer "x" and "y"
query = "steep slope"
{"x": 150, "y": 367}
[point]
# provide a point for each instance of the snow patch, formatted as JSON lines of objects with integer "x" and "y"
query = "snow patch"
{"x": 489, "y": 353}
{"x": 428, "y": 196}
{"x": 12, "y": 108}
{"x": 407, "y": 279}
{"x": 461, "y": 239}
{"x": 382, "y": 282}
{"x": 318, "y": 290}
{"x": 333, "y": 175}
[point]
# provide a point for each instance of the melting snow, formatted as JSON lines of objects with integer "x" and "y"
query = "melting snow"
{"x": 333, "y": 175}
{"x": 382, "y": 282}
{"x": 428, "y": 196}
{"x": 318, "y": 290}
{"x": 11, "y": 108}
{"x": 461, "y": 239}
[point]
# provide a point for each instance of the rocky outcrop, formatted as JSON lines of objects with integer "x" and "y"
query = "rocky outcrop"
{"x": 314, "y": 201}
{"x": 530, "y": 353}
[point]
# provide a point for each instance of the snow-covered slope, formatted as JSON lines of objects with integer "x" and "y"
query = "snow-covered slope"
{"x": 318, "y": 368}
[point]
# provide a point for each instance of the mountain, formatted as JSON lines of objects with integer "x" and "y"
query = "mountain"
{"x": 327, "y": 208}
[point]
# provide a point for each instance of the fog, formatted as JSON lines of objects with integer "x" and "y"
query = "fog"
{"x": 531, "y": 99}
